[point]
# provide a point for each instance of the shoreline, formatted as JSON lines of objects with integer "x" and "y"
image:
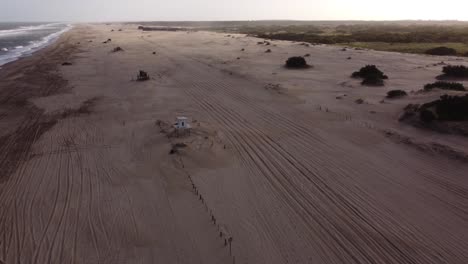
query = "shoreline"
{"x": 35, "y": 47}
{"x": 33, "y": 76}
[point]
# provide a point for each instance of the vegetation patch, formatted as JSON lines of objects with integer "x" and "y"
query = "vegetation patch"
{"x": 371, "y": 76}
{"x": 454, "y": 86}
{"x": 143, "y": 76}
{"x": 396, "y": 94}
{"x": 447, "y": 108}
{"x": 442, "y": 51}
{"x": 359, "y": 101}
{"x": 117, "y": 49}
{"x": 296, "y": 63}
{"x": 454, "y": 71}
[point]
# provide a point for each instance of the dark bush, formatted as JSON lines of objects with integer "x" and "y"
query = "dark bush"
{"x": 371, "y": 74}
{"x": 296, "y": 63}
{"x": 117, "y": 49}
{"x": 359, "y": 101}
{"x": 143, "y": 76}
{"x": 445, "y": 86}
{"x": 427, "y": 116}
{"x": 369, "y": 71}
{"x": 67, "y": 63}
{"x": 442, "y": 51}
{"x": 268, "y": 51}
{"x": 451, "y": 71}
{"x": 449, "y": 108}
{"x": 396, "y": 94}
{"x": 372, "y": 81}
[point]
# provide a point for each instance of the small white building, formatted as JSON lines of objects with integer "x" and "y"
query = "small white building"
{"x": 182, "y": 125}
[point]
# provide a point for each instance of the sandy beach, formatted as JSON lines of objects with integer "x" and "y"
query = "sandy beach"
{"x": 284, "y": 162}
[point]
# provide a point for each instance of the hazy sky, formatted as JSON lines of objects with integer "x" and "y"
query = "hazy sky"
{"x": 126, "y": 10}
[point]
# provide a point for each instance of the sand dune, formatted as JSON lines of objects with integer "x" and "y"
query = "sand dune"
{"x": 291, "y": 173}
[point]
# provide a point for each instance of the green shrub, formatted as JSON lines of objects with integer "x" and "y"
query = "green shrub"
{"x": 396, "y": 94}
{"x": 445, "y": 86}
{"x": 296, "y": 63}
{"x": 369, "y": 71}
{"x": 449, "y": 108}
{"x": 372, "y": 81}
{"x": 427, "y": 116}
{"x": 442, "y": 51}
{"x": 459, "y": 71}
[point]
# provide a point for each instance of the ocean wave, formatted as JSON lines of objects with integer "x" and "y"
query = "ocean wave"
{"x": 27, "y": 29}
{"x": 21, "y": 51}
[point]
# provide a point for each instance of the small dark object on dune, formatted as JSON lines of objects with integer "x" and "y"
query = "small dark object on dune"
{"x": 117, "y": 49}
{"x": 344, "y": 49}
{"x": 445, "y": 86}
{"x": 242, "y": 49}
{"x": 442, "y": 51}
{"x": 451, "y": 71}
{"x": 112, "y": 30}
{"x": 260, "y": 43}
{"x": 359, "y": 101}
{"x": 296, "y": 63}
{"x": 154, "y": 52}
{"x": 142, "y": 76}
{"x": 268, "y": 51}
{"x": 238, "y": 58}
{"x": 396, "y": 94}
{"x": 175, "y": 147}
{"x": 120, "y": 29}
{"x": 67, "y": 64}
{"x": 349, "y": 58}
{"x": 307, "y": 55}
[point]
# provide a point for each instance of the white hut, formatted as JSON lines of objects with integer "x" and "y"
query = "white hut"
{"x": 182, "y": 125}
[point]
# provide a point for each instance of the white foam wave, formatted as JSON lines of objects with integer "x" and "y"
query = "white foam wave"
{"x": 26, "y": 30}
{"x": 21, "y": 51}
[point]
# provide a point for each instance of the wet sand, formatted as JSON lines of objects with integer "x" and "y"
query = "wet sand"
{"x": 275, "y": 160}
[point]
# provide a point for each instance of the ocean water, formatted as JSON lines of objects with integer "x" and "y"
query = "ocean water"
{"x": 22, "y": 39}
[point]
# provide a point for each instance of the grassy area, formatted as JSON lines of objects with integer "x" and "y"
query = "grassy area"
{"x": 419, "y": 48}
{"x": 396, "y": 36}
